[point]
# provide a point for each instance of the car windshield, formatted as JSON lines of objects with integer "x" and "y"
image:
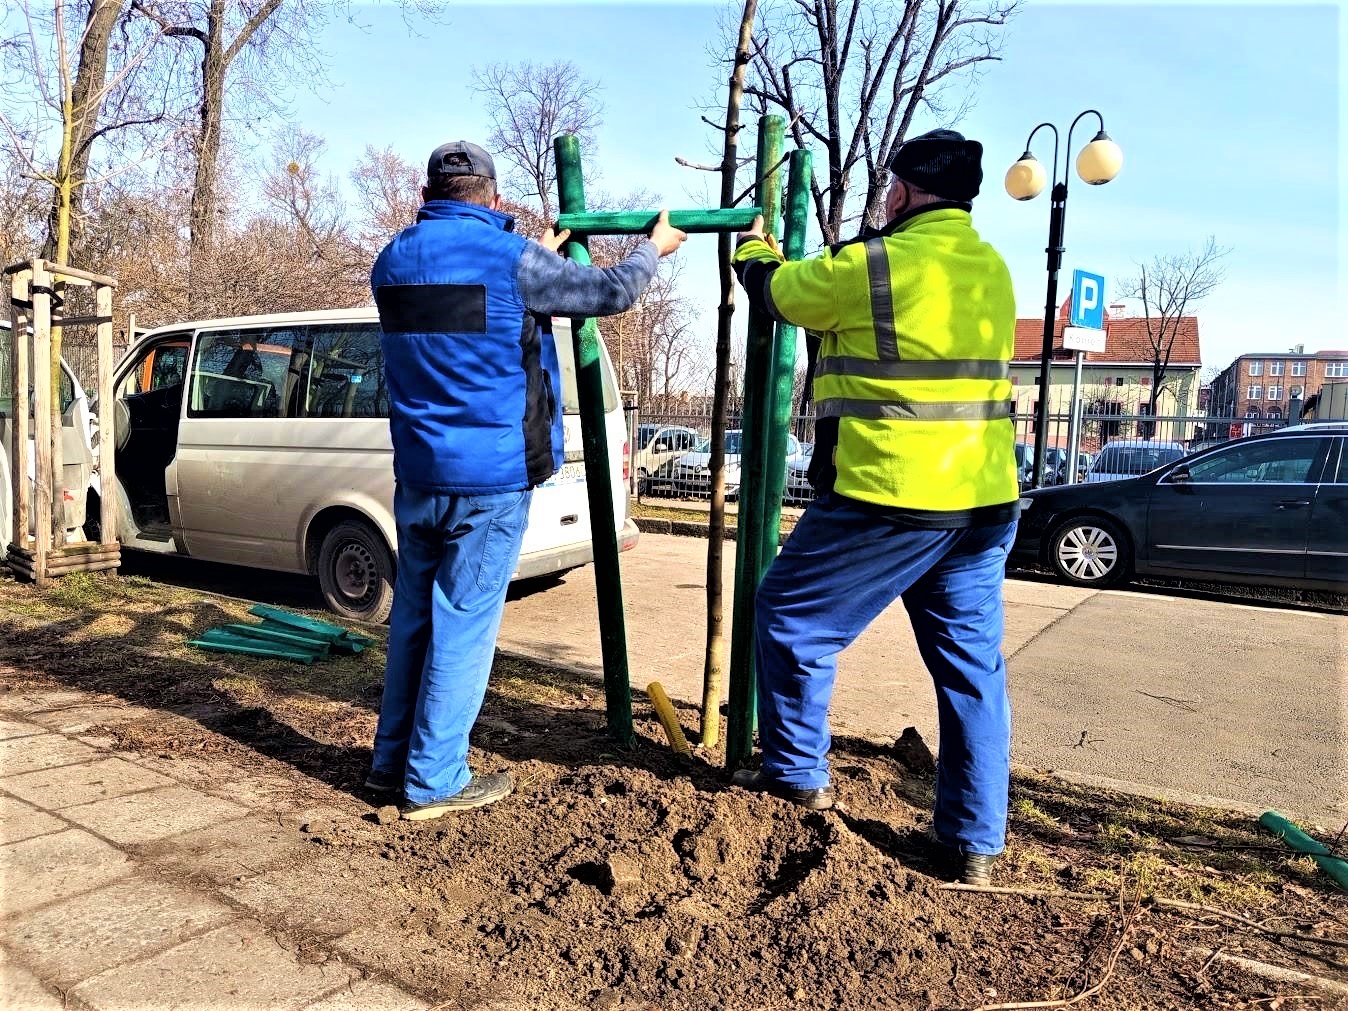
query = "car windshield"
{"x": 1135, "y": 459}
{"x": 732, "y": 444}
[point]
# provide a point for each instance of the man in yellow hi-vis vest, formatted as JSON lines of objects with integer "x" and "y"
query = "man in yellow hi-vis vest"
{"x": 915, "y": 472}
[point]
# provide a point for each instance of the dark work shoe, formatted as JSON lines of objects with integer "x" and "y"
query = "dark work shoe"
{"x": 383, "y": 782}
{"x": 819, "y": 798}
{"x": 480, "y": 791}
{"x": 966, "y": 868}
{"x": 977, "y": 869}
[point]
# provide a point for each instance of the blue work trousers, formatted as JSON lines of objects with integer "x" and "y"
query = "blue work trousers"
{"x": 841, "y": 567}
{"x": 456, "y": 554}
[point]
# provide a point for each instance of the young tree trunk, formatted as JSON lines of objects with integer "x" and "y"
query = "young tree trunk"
{"x": 713, "y": 671}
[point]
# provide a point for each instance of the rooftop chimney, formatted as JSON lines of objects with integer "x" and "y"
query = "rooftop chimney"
{"x": 1300, "y": 349}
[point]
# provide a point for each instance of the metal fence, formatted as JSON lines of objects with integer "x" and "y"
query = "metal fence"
{"x": 1099, "y": 427}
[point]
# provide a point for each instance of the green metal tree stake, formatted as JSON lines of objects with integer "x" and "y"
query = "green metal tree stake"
{"x": 777, "y": 415}
{"x": 757, "y": 366}
{"x": 598, "y": 480}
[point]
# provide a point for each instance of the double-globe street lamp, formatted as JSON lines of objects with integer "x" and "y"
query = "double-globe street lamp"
{"x": 1098, "y": 163}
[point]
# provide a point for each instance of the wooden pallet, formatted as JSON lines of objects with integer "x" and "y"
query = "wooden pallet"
{"x": 87, "y": 557}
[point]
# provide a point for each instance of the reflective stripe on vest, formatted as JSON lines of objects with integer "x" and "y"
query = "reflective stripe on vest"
{"x": 882, "y": 301}
{"x": 915, "y": 410}
{"x": 954, "y": 368}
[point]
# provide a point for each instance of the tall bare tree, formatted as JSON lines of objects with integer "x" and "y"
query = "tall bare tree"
{"x": 851, "y": 76}
{"x": 1167, "y": 289}
{"x": 76, "y": 71}
{"x": 530, "y": 104}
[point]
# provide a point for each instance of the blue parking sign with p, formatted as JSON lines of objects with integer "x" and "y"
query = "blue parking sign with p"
{"x": 1088, "y": 300}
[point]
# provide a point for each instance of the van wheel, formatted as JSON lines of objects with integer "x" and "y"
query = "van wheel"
{"x": 355, "y": 571}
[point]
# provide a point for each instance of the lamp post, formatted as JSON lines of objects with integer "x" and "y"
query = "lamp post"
{"x": 1098, "y": 163}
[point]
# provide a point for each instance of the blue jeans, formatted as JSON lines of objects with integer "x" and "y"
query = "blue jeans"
{"x": 456, "y": 554}
{"x": 840, "y": 568}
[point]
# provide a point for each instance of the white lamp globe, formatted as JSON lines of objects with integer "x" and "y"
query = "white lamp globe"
{"x": 1026, "y": 179}
{"x": 1100, "y": 160}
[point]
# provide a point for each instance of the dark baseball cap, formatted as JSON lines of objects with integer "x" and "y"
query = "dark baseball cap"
{"x": 460, "y": 158}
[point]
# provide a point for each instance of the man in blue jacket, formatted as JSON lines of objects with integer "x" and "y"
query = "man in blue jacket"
{"x": 474, "y": 384}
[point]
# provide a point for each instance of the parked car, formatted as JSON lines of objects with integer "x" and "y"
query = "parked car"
{"x": 1125, "y": 458}
{"x": 264, "y": 441}
{"x": 798, "y": 487}
{"x": 658, "y": 445}
{"x": 690, "y": 477}
{"x": 77, "y": 458}
{"x": 1266, "y": 510}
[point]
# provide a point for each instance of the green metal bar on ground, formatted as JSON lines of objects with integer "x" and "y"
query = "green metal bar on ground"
{"x": 758, "y": 348}
{"x": 598, "y": 480}
{"x": 730, "y": 219}
{"x": 1335, "y": 867}
{"x": 781, "y": 385}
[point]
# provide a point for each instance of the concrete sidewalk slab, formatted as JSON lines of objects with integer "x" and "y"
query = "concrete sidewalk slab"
{"x": 22, "y": 991}
{"x": 80, "y": 937}
{"x": 45, "y": 751}
{"x": 144, "y": 817}
{"x": 19, "y": 728}
{"x": 325, "y": 897}
{"x": 230, "y": 851}
{"x": 51, "y": 867}
{"x": 19, "y": 821}
{"x": 369, "y": 995}
{"x": 234, "y": 967}
{"x": 82, "y": 784}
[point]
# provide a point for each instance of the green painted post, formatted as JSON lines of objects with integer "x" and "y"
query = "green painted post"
{"x": 757, "y": 364}
{"x": 777, "y": 416}
{"x": 598, "y": 479}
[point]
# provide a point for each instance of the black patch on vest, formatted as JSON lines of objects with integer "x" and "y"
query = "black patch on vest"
{"x": 540, "y": 406}
{"x": 432, "y": 308}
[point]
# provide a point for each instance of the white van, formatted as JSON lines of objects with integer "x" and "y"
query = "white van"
{"x": 264, "y": 441}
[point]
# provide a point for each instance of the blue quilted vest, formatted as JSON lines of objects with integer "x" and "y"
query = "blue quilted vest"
{"x": 473, "y": 378}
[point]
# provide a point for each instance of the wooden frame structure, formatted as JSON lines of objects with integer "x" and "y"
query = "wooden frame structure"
{"x": 42, "y": 553}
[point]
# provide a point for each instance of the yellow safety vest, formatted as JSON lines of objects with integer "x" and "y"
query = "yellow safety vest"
{"x": 917, "y": 332}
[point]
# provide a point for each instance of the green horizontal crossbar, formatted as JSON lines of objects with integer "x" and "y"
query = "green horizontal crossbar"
{"x": 730, "y": 219}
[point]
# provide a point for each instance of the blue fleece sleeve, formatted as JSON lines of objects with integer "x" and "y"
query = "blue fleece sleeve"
{"x": 555, "y": 286}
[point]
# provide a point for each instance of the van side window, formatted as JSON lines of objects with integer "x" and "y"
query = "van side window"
{"x": 253, "y": 373}
{"x": 346, "y": 373}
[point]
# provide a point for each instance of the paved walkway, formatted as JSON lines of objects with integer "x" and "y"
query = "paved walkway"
{"x": 122, "y": 887}
{"x": 1193, "y": 699}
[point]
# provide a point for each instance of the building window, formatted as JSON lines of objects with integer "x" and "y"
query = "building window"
{"x": 1256, "y": 368}
{"x": 1255, "y": 392}
{"x": 1336, "y": 370}
{"x": 1274, "y": 412}
{"x": 1275, "y": 368}
{"x": 1298, "y": 368}
{"x": 1275, "y": 392}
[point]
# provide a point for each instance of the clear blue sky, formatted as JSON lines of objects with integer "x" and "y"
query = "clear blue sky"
{"x": 1229, "y": 116}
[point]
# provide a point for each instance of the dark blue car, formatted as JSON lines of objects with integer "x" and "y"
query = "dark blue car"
{"x": 1271, "y": 510}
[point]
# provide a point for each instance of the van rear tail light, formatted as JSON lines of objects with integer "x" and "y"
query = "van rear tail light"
{"x": 627, "y": 460}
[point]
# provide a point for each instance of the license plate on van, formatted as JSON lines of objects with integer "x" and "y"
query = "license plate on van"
{"x": 571, "y": 473}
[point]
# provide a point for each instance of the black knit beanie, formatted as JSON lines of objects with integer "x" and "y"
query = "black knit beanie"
{"x": 941, "y": 162}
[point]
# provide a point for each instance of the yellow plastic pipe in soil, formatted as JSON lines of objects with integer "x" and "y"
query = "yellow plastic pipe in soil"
{"x": 664, "y": 709}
